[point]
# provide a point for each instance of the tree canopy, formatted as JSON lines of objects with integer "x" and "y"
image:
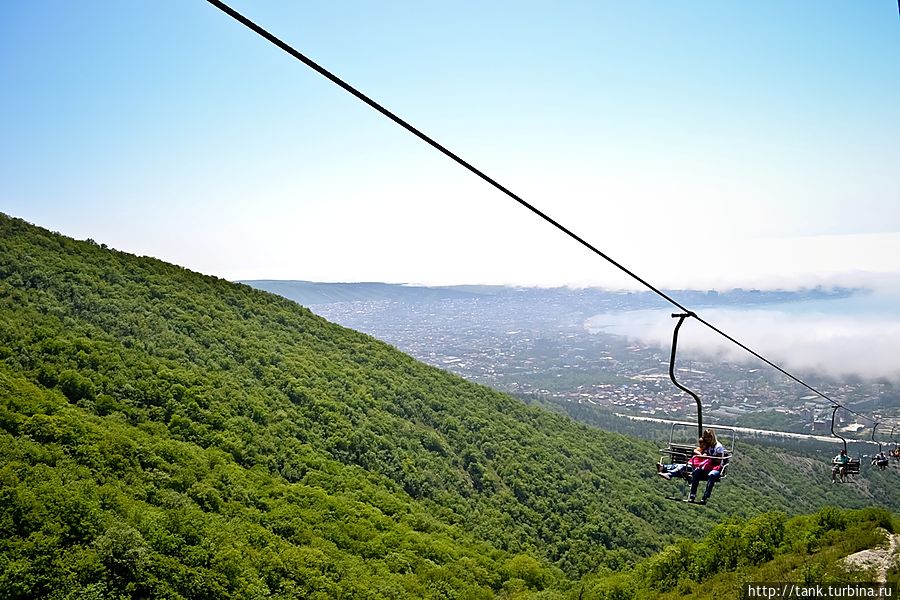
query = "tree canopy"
{"x": 169, "y": 434}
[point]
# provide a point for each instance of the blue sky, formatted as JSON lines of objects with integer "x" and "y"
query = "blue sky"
{"x": 701, "y": 144}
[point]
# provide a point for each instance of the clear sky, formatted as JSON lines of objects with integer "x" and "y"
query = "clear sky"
{"x": 702, "y": 144}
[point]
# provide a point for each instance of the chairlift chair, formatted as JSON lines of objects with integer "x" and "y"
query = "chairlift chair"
{"x": 680, "y": 449}
{"x": 876, "y": 462}
{"x": 852, "y": 467}
{"x": 895, "y": 451}
{"x": 681, "y": 445}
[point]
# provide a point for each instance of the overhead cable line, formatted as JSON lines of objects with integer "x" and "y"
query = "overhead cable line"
{"x": 443, "y": 150}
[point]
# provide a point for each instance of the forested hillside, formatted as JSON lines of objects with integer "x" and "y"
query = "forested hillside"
{"x": 168, "y": 434}
{"x": 767, "y": 549}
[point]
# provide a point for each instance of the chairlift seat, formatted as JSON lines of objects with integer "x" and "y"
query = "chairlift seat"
{"x": 678, "y": 454}
{"x": 851, "y": 467}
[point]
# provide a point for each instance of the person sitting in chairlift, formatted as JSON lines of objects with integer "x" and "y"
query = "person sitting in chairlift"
{"x": 839, "y": 466}
{"x": 716, "y": 453}
{"x": 706, "y": 464}
{"x": 880, "y": 460}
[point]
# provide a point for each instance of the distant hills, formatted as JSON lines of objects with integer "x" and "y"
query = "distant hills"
{"x": 166, "y": 434}
{"x": 309, "y": 293}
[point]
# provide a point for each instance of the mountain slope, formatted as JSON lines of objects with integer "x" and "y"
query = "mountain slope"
{"x": 224, "y": 441}
{"x": 93, "y": 505}
{"x": 768, "y": 550}
{"x": 253, "y": 375}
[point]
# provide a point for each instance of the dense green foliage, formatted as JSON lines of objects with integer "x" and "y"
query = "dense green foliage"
{"x": 92, "y": 504}
{"x": 767, "y": 548}
{"x": 168, "y": 434}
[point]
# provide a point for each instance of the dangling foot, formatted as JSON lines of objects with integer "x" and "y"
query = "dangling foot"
{"x": 665, "y": 476}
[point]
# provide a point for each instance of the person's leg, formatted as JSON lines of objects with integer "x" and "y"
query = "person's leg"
{"x": 696, "y": 476}
{"x": 666, "y": 471}
{"x": 712, "y": 478}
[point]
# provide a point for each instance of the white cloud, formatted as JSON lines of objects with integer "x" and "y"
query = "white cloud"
{"x": 855, "y": 336}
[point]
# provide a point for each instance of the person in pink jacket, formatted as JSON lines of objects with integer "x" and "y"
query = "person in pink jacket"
{"x": 714, "y": 451}
{"x": 697, "y": 461}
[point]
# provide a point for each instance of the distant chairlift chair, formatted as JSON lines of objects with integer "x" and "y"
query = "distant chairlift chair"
{"x": 895, "y": 451}
{"x": 879, "y": 463}
{"x": 852, "y": 467}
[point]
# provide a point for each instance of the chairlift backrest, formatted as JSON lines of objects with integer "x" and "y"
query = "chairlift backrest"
{"x": 680, "y": 454}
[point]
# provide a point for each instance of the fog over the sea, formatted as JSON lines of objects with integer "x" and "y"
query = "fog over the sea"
{"x": 855, "y": 336}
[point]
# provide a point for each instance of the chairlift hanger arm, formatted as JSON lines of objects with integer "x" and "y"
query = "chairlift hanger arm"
{"x": 681, "y": 317}
{"x": 834, "y": 433}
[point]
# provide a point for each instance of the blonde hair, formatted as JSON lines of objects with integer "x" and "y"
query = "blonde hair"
{"x": 709, "y": 436}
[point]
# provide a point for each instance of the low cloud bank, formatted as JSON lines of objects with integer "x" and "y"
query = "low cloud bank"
{"x": 856, "y": 336}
